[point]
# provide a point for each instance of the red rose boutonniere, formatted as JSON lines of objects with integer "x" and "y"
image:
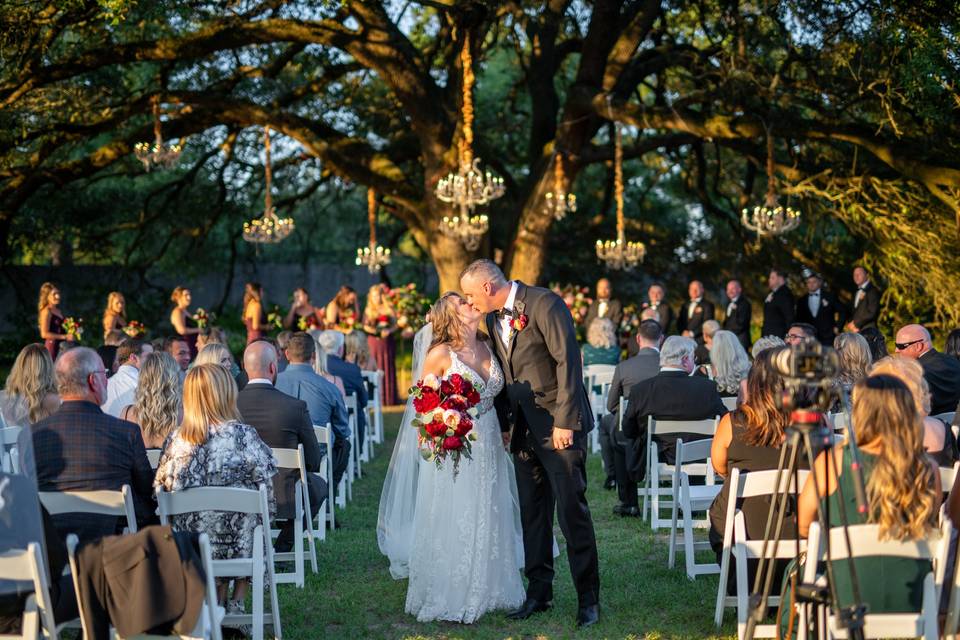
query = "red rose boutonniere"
{"x": 518, "y": 322}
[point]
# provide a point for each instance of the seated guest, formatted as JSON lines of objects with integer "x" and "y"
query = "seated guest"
{"x": 878, "y": 344}
{"x": 108, "y": 350}
{"x": 214, "y": 448}
{"x": 855, "y": 360}
{"x": 356, "y": 351}
{"x": 332, "y": 344}
{"x": 157, "y": 406}
{"x": 282, "y": 338}
{"x": 941, "y": 371}
{"x": 672, "y": 394}
{"x": 215, "y": 353}
{"x": 798, "y": 332}
{"x": 179, "y": 348}
{"x": 729, "y": 364}
{"x": 938, "y": 440}
{"x": 902, "y": 488}
{"x": 30, "y": 393}
{"x": 602, "y": 346}
{"x": 764, "y": 343}
{"x": 702, "y": 354}
{"x": 750, "y": 439}
{"x": 283, "y": 422}
{"x": 242, "y": 377}
{"x": 323, "y": 399}
{"x": 952, "y": 345}
{"x": 628, "y": 373}
{"x": 123, "y": 384}
{"x": 320, "y": 366}
{"x": 80, "y": 448}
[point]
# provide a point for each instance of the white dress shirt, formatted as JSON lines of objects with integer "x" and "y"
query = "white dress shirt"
{"x": 859, "y": 296}
{"x": 260, "y": 381}
{"x": 121, "y": 389}
{"x": 813, "y": 302}
{"x": 505, "y": 320}
{"x": 602, "y": 309}
{"x": 730, "y": 306}
{"x": 693, "y": 306}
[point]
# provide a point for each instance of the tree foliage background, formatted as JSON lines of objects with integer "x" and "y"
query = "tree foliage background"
{"x": 859, "y": 97}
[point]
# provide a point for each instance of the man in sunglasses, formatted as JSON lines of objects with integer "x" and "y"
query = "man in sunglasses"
{"x": 941, "y": 371}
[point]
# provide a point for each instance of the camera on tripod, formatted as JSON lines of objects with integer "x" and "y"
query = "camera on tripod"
{"x": 808, "y": 370}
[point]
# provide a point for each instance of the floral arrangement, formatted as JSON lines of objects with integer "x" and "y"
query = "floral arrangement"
{"x": 631, "y": 320}
{"x": 445, "y": 410}
{"x": 384, "y": 322}
{"x": 411, "y": 308}
{"x": 578, "y": 301}
{"x": 308, "y": 323}
{"x": 73, "y": 327}
{"x": 201, "y": 317}
{"x": 275, "y": 318}
{"x": 135, "y": 329}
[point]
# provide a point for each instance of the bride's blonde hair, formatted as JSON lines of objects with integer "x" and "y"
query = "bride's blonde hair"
{"x": 448, "y": 328}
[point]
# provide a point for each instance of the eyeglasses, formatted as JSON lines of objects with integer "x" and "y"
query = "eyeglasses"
{"x": 903, "y": 345}
{"x": 793, "y": 336}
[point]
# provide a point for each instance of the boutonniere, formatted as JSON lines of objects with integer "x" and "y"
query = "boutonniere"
{"x": 824, "y": 303}
{"x": 518, "y": 322}
{"x": 698, "y": 310}
{"x": 769, "y": 298}
{"x": 733, "y": 305}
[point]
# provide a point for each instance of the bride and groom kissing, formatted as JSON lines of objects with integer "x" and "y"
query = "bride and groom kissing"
{"x": 462, "y": 539}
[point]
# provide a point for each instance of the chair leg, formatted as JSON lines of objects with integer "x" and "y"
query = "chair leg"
{"x": 673, "y": 535}
{"x": 688, "y": 547}
{"x": 256, "y": 587}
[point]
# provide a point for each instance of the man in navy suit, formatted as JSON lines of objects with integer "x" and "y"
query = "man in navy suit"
{"x": 80, "y": 448}
{"x": 332, "y": 343}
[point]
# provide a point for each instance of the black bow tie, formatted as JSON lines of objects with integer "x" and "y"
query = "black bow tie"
{"x": 503, "y": 313}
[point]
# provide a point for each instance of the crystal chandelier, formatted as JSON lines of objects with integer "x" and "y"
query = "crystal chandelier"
{"x": 268, "y": 228}
{"x": 619, "y": 254}
{"x": 558, "y": 201}
{"x": 771, "y": 219}
{"x": 373, "y": 256}
{"x": 158, "y": 153}
{"x": 470, "y": 186}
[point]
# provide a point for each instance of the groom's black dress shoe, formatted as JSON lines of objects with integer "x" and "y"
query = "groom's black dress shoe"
{"x": 610, "y": 483}
{"x": 587, "y": 616}
{"x": 527, "y": 609}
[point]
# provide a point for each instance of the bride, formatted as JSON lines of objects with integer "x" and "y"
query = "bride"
{"x": 458, "y": 540}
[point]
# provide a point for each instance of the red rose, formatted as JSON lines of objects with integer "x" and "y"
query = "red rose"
{"x": 464, "y": 427}
{"x": 452, "y": 443}
{"x": 474, "y": 397}
{"x": 446, "y": 387}
{"x": 466, "y": 388}
{"x": 435, "y": 429}
{"x": 428, "y": 400}
{"x": 458, "y": 403}
{"x": 457, "y": 381}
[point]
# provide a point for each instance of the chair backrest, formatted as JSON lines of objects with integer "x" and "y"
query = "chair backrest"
{"x": 153, "y": 457}
{"x": 27, "y": 565}
{"x": 599, "y": 374}
{"x": 730, "y": 402}
{"x": 104, "y": 503}
{"x": 9, "y": 435}
{"x": 750, "y": 484}
{"x": 865, "y": 541}
{"x": 947, "y": 418}
{"x": 947, "y": 476}
{"x": 234, "y": 499}
{"x": 292, "y": 459}
{"x": 661, "y": 427}
{"x": 695, "y": 451}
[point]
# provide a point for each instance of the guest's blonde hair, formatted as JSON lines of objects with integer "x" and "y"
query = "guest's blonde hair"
{"x": 32, "y": 379}
{"x": 209, "y": 398}
{"x": 157, "y": 399}
{"x": 45, "y": 290}
{"x": 855, "y": 358}
{"x": 911, "y": 373}
{"x": 901, "y": 493}
{"x": 355, "y": 346}
{"x": 213, "y": 353}
{"x": 601, "y": 334}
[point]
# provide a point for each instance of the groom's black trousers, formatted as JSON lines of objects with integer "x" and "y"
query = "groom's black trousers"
{"x": 547, "y": 478}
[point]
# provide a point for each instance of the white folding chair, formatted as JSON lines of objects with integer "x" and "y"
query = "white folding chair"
{"x": 153, "y": 457}
{"x": 104, "y": 503}
{"x": 948, "y": 475}
{"x": 355, "y": 459}
{"x": 328, "y": 514}
{"x": 8, "y": 449}
{"x": 260, "y": 562}
{"x": 947, "y": 418}
{"x": 375, "y": 405}
{"x": 689, "y": 499}
{"x": 737, "y": 545}
{"x": 598, "y": 375}
{"x": 598, "y": 407}
{"x": 26, "y": 565}
{"x": 730, "y": 402}
{"x": 293, "y": 459}
{"x": 865, "y": 541}
{"x": 652, "y": 491}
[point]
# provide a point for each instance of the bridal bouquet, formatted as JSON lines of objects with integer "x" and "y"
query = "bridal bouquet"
{"x": 73, "y": 327}
{"x": 445, "y": 410}
{"x": 307, "y": 323}
{"x": 135, "y": 329}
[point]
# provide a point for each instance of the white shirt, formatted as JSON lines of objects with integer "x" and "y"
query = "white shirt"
{"x": 505, "y": 320}
{"x": 859, "y": 296}
{"x": 730, "y": 306}
{"x": 121, "y": 388}
{"x": 693, "y": 306}
{"x": 260, "y": 381}
{"x": 602, "y": 309}
{"x": 813, "y": 302}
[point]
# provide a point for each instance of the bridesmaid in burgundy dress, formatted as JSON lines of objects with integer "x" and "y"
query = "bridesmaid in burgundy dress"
{"x": 380, "y": 323}
{"x": 253, "y": 316}
{"x": 51, "y": 319}
{"x": 311, "y": 316}
{"x": 182, "y": 320}
{"x": 115, "y": 315}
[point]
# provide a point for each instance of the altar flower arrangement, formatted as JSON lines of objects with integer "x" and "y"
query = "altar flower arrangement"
{"x": 73, "y": 327}
{"x": 411, "y": 308}
{"x": 135, "y": 329}
{"x": 446, "y": 409}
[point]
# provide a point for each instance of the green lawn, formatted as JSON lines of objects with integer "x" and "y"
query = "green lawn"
{"x": 353, "y": 596}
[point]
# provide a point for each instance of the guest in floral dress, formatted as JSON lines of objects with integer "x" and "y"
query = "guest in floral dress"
{"x": 213, "y": 448}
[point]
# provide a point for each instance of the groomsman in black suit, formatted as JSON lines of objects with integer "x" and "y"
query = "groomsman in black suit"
{"x": 778, "y": 306}
{"x": 941, "y": 371}
{"x": 694, "y": 313}
{"x": 655, "y": 301}
{"x": 820, "y": 308}
{"x": 605, "y": 306}
{"x": 866, "y": 302}
{"x": 736, "y": 318}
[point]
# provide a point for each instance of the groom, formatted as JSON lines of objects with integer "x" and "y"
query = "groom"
{"x": 547, "y": 407}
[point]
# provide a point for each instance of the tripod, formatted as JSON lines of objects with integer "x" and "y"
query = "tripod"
{"x": 806, "y": 433}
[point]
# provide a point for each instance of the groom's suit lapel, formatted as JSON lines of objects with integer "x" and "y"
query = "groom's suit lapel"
{"x": 519, "y": 308}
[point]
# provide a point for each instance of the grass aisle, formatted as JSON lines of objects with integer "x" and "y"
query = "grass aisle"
{"x": 353, "y": 596}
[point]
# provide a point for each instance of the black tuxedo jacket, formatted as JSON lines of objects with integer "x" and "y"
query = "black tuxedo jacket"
{"x": 866, "y": 313}
{"x": 829, "y": 319}
{"x": 282, "y": 422}
{"x": 542, "y": 369}
{"x": 694, "y": 323}
{"x": 614, "y": 313}
{"x": 665, "y": 311}
{"x": 942, "y": 373}
{"x": 778, "y": 310}
{"x": 738, "y": 320}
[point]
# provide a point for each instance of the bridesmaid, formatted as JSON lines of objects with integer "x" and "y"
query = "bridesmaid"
{"x": 253, "y": 316}
{"x": 115, "y": 315}
{"x": 182, "y": 320}
{"x": 51, "y": 319}
{"x": 343, "y": 312}
{"x": 380, "y": 323}
{"x": 302, "y": 309}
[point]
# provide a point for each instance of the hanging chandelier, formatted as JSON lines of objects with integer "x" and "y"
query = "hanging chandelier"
{"x": 268, "y": 228}
{"x": 470, "y": 186}
{"x": 619, "y": 254}
{"x": 558, "y": 201}
{"x": 771, "y": 219}
{"x": 157, "y": 154}
{"x": 373, "y": 256}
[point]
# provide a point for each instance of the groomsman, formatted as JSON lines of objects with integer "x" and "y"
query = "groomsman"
{"x": 866, "y": 302}
{"x": 778, "y": 306}
{"x": 655, "y": 295}
{"x": 736, "y": 319}
{"x": 694, "y": 313}
{"x": 605, "y": 306}
{"x": 820, "y": 308}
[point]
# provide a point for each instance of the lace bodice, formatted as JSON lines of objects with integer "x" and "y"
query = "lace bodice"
{"x": 490, "y": 388}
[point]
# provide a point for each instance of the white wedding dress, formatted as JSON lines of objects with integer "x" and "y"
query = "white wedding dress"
{"x": 462, "y": 548}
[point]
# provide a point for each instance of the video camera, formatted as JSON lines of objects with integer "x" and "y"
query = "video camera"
{"x": 808, "y": 369}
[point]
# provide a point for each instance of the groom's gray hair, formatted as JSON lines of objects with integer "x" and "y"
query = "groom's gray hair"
{"x": 485, "y": 269}
{"x": 674, "y": 349}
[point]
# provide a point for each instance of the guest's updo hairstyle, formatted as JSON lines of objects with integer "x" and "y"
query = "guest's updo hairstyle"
{"x": 177, "y": 294}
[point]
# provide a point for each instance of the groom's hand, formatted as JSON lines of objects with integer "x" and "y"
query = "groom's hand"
{"x": 506, "y": 439}
{"x": 562, "y": 438}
